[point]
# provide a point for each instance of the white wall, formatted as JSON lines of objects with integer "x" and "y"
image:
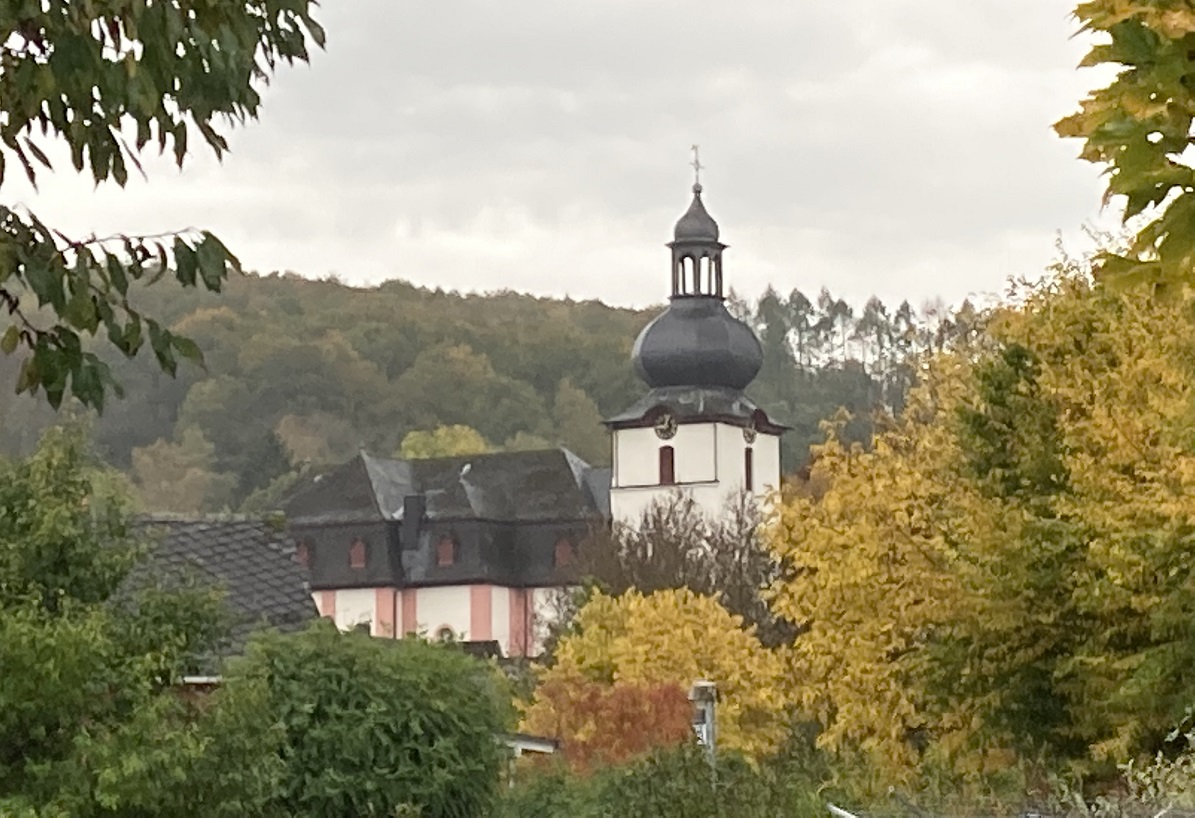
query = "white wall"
{"x": 354, "y": 606}
{"x": 709, "y": 466}
{"x": 446, "y": 606}
{"x": 500, "y": 616}
{"x": 637, "y": 455}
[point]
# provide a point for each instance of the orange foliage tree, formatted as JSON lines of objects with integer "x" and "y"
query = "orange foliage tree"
{"x": 601, "y": 724}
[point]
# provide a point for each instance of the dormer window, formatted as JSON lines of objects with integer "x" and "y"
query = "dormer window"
{"x": 303, "y": 553}
{"x": 667, "y": 466}
{"x": 446, "y": 548}
{"x": 563, "y": 554}
{"x": 357, "y": 554}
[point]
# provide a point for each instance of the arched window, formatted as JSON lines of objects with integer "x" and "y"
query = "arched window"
{"x": 357, "y": 554}
{"x": 445, "y": 634}
{"x": 749, "y": 469}
{"x": 445, "y": 551}
{"x": 667, "y": 466}
{"x": 563, "y": 554}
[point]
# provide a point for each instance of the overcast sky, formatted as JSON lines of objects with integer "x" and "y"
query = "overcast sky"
{"x": 896, "y": 147}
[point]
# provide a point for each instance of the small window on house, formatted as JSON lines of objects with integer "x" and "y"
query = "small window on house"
{"x": 749, "y": 468}
{"x": 303, "y": 553}
{"x": 445, "y": 634}
{"x": 667, "y": 466}
{"x": 357, "y": 554}
{"x": 564, "y": 553}
{"x": 446, "y": 551}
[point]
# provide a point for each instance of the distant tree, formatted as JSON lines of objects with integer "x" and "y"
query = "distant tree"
{"x": 578, "y": 424}
{"x": 874, "y": 333}
{"x": 526, "y": 442}
{"x": 181, "y": 477}
{"x": 351, "y": 746}
{"x": 443, "y": 441}
{"x": 453, "y": 384}
{"x": 801, "y": 318}
{"x": 320, "y": 438}
{"x": 107, "y": 79}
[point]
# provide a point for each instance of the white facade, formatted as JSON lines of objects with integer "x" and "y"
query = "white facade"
{"x": 709, "y": 462}
{"x": 516, "y": 618}
{"x": 354, "y": 607}
{"x": 447, "y": 608}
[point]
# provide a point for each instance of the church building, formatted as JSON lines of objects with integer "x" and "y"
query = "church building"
{"x": 480, "y": 548}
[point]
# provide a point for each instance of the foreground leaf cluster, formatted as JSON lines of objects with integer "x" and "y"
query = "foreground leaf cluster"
{"x": 1139, "y": 129}
{"x": 108, "y": 80}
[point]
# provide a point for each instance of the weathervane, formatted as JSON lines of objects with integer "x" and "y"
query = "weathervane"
{"x": 696, "y": 163}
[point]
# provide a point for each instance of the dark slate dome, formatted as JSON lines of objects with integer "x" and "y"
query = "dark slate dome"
{"x": 696, "y": 342}
{"x": 697, "y": 224}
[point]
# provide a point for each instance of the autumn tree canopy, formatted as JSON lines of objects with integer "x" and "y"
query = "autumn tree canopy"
{"x": 1008, "y": 569}
{"x": 670, "y": 637}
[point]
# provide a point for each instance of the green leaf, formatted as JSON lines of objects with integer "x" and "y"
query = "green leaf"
{"x": 8, "y": 343}
{"x": 188, "y": 349}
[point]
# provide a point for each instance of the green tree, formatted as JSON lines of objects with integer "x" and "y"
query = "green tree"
{"x": 579, "y": 424}
{"x": 1139, "y": 128}
{"x": 453, "y": 384}
{"x": 90, "y": 724}
{"x": 91, "y": 75}
{"x": 180, "y": 477}
{"x": 354, "y": 747}
{"x": 443, "y": 441}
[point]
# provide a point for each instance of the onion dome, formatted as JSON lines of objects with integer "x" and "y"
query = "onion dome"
{"x": 697, "y": 224}
{"x": 697, "y": 342}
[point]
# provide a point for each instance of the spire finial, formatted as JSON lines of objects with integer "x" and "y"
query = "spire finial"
{"x": 697, "y": 168}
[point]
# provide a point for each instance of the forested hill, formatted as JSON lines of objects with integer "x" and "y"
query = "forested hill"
{"x": 303, "y": 372}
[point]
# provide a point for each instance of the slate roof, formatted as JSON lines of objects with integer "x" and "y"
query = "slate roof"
{"x": 533, "y": 486}
{"x": 250, "y": 559}
{"x": 693, "y": 403}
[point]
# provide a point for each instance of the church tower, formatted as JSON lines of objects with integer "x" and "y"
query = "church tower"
{"x": 694, "y": 431}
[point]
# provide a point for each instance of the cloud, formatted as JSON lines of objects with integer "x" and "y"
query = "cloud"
{"x": 885, "y": 146}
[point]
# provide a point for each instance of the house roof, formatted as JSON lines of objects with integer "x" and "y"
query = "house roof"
{"x": 251, "y": 560}
{"x": 553, "y": 484}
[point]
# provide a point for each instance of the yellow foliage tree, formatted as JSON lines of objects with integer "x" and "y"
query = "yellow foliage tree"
{"x": 878, "y": 556}
{"x": 675, "y": 637}
{"x": 1009, "y": 567}
{"x": 443, "y": 441}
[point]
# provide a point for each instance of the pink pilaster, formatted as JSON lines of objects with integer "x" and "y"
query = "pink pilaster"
{"x": 327, "y": 604}
{"x": 518, "y": 622}
{"x": 481, "y": 613}
{"x": 383, "y": 619}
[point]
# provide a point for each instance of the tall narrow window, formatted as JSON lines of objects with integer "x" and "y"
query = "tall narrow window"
{"x": 445, "y": 551}
{"x": 749, "y": 469}
{"x": 357, "y": 554}
{"x": 564, "y": 553}
{"x": 667, "y": 466}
